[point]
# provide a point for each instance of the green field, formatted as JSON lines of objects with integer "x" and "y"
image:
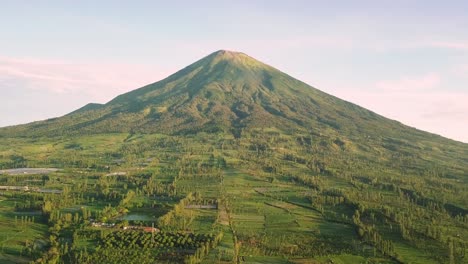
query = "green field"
{"x": 114, "y": 186}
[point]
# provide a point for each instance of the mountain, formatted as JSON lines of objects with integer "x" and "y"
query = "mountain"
{"x": 227, "y": 92}
{"x": 88, "y": 107}
{"x": 233, "y": 94}
{"x": 235, "y": 162}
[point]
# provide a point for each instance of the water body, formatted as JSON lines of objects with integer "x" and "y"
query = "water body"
{"x": 28, "y": 213}
{"x": 22, "y": 171}
{"x": 29, "y": 189}
{"x": 137, "y": 217}
{"x": 49, "y": 191}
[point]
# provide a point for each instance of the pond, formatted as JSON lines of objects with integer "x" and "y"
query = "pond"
{"x": 28, "y": 213}
{"x": 49, "y": 191}
{"x": 137, "y": 217}
{"x": 21, "y": 171}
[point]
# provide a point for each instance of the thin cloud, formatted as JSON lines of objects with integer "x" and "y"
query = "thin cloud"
{"x": 443, "y": 113}
{"x": 99, "y": 81}
{"x": 424, "y": 82}
{"x": 418, "y": 101}
{"x": 461, "y": 70}
{"x": 457, "y": 45}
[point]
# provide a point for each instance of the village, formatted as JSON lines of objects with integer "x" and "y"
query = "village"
{"x": 149, "y": 229}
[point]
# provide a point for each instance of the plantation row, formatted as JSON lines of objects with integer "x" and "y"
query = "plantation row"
{"x": 140, "y": 239}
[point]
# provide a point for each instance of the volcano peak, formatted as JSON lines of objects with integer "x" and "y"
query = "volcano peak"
{"x": 229, "y": 54}
{"x": 234, "y": 58}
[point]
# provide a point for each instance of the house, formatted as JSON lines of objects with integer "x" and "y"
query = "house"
{"x": 150, "y": 229}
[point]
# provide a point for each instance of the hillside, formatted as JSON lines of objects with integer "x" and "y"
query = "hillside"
{"x": 223, "y": 92}
{"x": 230, "y": 160}
{"x": 232, "y": 94}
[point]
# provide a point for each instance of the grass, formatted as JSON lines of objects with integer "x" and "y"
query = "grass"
{"x": 271, "y": 215}
{"x": 14, "y": 233}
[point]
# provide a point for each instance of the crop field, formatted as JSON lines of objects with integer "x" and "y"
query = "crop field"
{"x": 209, "y": 200}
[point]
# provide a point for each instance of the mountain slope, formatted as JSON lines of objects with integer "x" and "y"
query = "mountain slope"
{"x": 223, "y": 92}
{"x": 88, "y": 107}
{"x": 233, "y": 94}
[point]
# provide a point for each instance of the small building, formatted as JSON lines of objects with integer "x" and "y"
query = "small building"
{"x": 150, "y": 229}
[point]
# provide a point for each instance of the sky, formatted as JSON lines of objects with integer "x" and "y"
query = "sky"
{"x": 406, "y": 60}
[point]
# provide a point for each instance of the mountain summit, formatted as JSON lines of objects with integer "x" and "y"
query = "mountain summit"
{"x": 225, "y": 92}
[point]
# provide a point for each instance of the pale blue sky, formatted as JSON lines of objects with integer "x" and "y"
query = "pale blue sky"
{"x": 406, "y": 60}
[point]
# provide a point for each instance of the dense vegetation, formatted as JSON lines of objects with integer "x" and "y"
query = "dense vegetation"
{"x": 219, "y": 199}
{"x": 247, "y": 166}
